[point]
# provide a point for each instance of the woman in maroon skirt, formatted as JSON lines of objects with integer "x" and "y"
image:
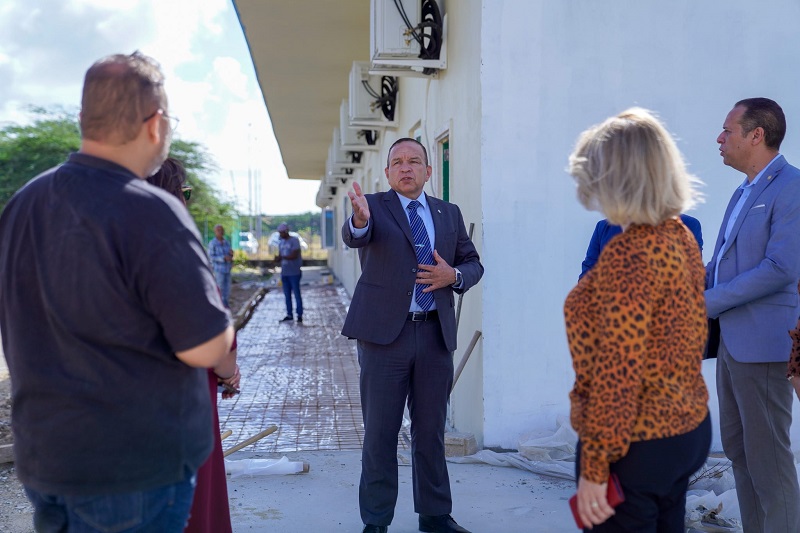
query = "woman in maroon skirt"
{"x": 210, "y": 511}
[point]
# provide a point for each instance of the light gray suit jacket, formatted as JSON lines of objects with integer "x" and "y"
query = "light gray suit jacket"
{"x": 756, "y": 298}
{"x": 382, "y": 296}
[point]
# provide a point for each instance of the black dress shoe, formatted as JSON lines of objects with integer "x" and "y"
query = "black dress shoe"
{"x": 369, "y": 528}
{"x": 439, "y": 524}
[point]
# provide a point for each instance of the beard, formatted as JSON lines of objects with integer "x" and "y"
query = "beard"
{"x": 162, "y": 155}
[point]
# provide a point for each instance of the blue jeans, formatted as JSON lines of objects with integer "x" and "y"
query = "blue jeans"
{"x": 291, "y": 284}
{"x": 224, "y": 284}
{"x": 161, "y": 510}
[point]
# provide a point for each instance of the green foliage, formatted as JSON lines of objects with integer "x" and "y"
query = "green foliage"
{"x": 29, "y": 150}
{"x": 26, "y": 151}
{"x": 205, "y": 206}
{"x": 304, "y": 223}
{"x": 239, "y": 258}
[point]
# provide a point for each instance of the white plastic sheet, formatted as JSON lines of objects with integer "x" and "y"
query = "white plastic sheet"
{"x": 711, "y": 504}
{"x": 262, "y": 467}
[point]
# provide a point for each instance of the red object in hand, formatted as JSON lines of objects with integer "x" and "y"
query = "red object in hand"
{"x": 613, "y": 494}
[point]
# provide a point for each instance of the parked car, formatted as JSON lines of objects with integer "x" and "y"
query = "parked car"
{"x": 248, "y": 243}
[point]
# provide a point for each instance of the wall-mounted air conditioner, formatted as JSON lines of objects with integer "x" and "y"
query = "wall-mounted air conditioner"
{"x": 337, "y": 175}
{"x": 341, "y": 158}
{"x": 325, "y": 194}
{"x": 357, "y": 138}
{"x": 408, "y": 35}
{"x": 373, "y": 99}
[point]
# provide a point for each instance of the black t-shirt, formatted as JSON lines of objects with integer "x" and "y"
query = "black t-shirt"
{"x": 104, "y": 278}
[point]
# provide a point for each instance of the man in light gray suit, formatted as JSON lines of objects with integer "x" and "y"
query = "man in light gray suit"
{"x": 415, "y": 253}
{"x": 752, "y": 291}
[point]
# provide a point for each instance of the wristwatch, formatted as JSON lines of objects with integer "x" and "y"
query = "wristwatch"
{"x": 459, "y": 278}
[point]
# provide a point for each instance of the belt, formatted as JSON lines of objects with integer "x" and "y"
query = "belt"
{"x": 422, "y": 316}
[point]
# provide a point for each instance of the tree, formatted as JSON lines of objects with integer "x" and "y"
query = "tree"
{"x": 205, "y": 206}
{"x": 26, "y": 151}
{"x": 29, "y": 150}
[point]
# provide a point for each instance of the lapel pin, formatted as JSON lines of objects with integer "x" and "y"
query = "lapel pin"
{"x": 440, "y": 211}
{"x": 769, "y": 177}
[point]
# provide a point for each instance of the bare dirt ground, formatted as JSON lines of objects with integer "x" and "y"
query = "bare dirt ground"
{"x": 15, "y": 509}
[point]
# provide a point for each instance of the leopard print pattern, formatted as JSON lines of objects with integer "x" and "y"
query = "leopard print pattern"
{"x": 636, "y": 327}
{"x": 793, "y": 370}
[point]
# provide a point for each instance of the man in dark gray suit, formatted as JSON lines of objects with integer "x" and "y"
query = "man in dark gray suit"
{"x": 415, "y": 253}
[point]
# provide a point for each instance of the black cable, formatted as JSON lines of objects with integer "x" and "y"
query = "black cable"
{"x": 371, "y": 136}
{"x": 400, "y": 9}
{"x": 388, "y": 96}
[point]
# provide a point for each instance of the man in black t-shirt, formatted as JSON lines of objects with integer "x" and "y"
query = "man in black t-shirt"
{"x": 108, "y": 320}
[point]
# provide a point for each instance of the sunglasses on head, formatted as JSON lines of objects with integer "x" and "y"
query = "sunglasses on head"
{"x": 187, "y": 192}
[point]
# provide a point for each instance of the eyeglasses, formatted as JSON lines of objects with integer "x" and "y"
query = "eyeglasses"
{"x": 187, "y": 192}
{"x": 173, "y": 121}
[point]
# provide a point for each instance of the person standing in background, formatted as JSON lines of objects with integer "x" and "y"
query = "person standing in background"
{"x": 751, "y": 290}
{"x": 291, "y": 260}
{"x": 221, "y": 254}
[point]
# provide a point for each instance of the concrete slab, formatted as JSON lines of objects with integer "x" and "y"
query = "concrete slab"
{"x": 486, "y": 499}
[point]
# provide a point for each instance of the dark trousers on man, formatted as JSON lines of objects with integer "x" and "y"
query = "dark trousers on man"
{"x": 755, "y": 412}
{"x": 291, "y": 285}
{"x": 654, "y": 475}
{"x": 416, "y": 367}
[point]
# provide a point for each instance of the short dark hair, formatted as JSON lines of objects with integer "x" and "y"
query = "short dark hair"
{"x": 170, "y": 177}
{"x": 119, "y": 92}
{"x": 405, "y": 140}
{"x": 767, "y": 114}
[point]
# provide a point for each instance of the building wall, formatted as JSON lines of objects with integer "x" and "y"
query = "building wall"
{"x": 524, "y": 78}
{"x": 549, "y": 70}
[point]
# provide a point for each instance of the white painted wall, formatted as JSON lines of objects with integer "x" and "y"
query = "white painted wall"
{"x": 549, "y": 70}
{"x": 524, "y": 78}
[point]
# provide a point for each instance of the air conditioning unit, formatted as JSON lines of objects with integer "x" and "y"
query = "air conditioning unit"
{"x": 326, "y": 194}
{"x": 409, "y": 35}
{"x": 373, "y": 99}
{"x": 336, "y": 175}
{"x": 342, "y": 158}
{"x": 355, "y": 138}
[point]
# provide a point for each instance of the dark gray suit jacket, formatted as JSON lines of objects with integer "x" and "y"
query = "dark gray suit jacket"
{"x": 382, "y": 296}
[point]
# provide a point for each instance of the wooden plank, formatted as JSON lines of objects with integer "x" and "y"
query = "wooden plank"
{"x": 6, "y": 453}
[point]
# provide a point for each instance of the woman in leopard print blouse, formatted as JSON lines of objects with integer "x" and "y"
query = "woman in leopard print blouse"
{"x": 636, "y": 326}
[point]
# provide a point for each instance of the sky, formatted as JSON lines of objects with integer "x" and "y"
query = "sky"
{"x": 47, "y": 46}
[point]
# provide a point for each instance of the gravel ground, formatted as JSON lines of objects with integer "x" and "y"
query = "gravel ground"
{"x": 15, "y": 510}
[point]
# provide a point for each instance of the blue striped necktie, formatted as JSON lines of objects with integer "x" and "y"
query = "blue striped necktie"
{"x": 422, "y": 245}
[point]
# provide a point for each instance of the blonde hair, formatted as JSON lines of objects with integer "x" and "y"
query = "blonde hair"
{"x": 629, "y": 168}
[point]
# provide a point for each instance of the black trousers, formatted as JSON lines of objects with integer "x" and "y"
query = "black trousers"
{"x": 416, "y": 368}
{"x": 654, "y": 475}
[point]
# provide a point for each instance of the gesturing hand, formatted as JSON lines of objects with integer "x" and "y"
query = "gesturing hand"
{"x": 360, "y": 206}
{"x": 437, "y": 276}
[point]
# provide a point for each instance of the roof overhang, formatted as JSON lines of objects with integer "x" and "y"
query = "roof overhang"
{"x": 303, "y": 51}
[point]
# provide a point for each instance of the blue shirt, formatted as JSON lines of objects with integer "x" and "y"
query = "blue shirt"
{"x": 216, "y": 252}
{"x": 290, "y": 267}
{"x": 604, "y": 231}
{"x": 746, "y": 187}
